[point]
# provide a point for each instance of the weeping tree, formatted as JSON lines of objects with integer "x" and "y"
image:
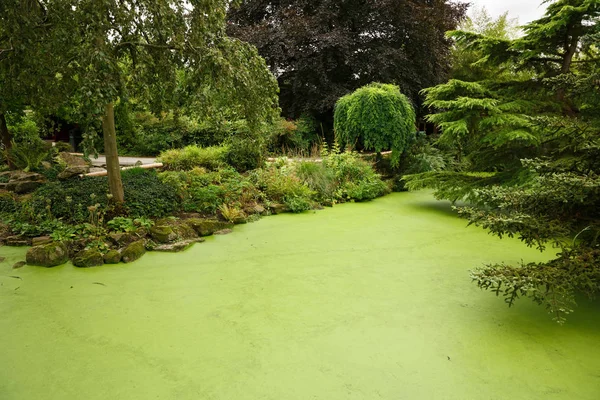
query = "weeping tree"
{"x": 378, "y": 116}
{"x": 105, "y": 50}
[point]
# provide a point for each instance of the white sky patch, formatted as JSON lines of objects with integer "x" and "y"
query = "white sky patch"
{"x": 525, "y": 10}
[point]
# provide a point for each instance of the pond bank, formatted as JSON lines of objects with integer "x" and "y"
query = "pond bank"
{"x": 361, "y": 301}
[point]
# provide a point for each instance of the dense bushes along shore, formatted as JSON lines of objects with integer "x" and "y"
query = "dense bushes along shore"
{"x": 76, "y": 217}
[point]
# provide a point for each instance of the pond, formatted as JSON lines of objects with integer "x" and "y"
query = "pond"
{"x": 361, "y": 301}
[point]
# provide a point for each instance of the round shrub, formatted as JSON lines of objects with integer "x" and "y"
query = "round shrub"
{"x": 378, "y": 116}
{"x": 245, "y": 153}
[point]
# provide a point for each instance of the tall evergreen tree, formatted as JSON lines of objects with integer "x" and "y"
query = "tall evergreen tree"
{"x": 531, "y": 138}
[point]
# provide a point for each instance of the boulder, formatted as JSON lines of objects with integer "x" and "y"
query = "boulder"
{"x": 133, "y": 251}
{"x": 48, "y": 255}
{"x": 72, "y": 171}
{"x": 19, "y": 264}
{"x": 77, "y": 245}
{"x": 22, "y": 182}
{"x": 72, "y": 160}
{"x": 122, "y": 239}
{"x": 177, "y": 246}
{"x": 206, "y": 227}
{"x": 224, "y": 232}
{"x": 40, "y": 240}
{"x": 112, "y": 257}
{"x": 279, "y": 208}
{"x": 88, "y": 258}
{"x": 184, "y": 231}
{"x": 17, "y": 240}
{"x": 46, "y": 165}
{"x": 163, "y": 234}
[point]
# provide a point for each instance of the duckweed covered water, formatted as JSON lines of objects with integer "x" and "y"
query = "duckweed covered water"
{"x": 362, "y": 301}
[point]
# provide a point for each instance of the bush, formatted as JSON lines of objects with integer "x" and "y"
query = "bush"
{"x": 192, "y": 156}
{"x": 145, "y": 195}
{"x": 28, "y": 155}
{"x": 355, "y": 178}
{"x": 205, "y": 192}
{"x": 378, "y": 117}
{"x": 319, "y": 178}
{"x": 282, "y": 186}
{"x": 245, "y": 152}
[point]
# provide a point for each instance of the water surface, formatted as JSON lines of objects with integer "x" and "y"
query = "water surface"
{"x": 362, "y": 301}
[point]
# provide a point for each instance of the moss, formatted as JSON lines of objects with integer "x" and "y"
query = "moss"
{"x": 163, "y": 234}
{"x": 112, "y": 257}
{"x": 133, "y": 252}
{"x": 48, "y": 255}
{"x": 88, "y": 258}
{"x": 206, "y": 227}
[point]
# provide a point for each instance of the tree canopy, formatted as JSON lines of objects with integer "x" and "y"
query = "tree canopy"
{"x": 100, "y": 52}
{"x": 378, "y": 116}
{"x": 529, "y": 137}
{"x": 321, "y": 50}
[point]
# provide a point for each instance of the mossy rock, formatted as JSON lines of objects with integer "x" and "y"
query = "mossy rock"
{"x": 177, "y": 246}
{"x": 185, "y": 232}
{"x": 88, "y": 258}
{"x": 133, "y": 251}
{"x": 120, "y": 239}
{"x": 163, "y": 234}
{"x": 206, "y": 227}
{"x": 48, "y": 255}
{"x": 112, "y": 257}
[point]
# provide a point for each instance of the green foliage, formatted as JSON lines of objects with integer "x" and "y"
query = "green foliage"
{"x": 205, "y": 192}
{"x": 281, "y": 185}
{"x": 320, "y": 179}
{"x": 293, "y": 137}
{"x": 531, "y": 129}
{"x": 355, "y": 178}
{"x": 193, "y": 156}
{"x": 378, "y": 117}
{"x": 121, "y": 224}
{"x": 71, "y": 200}
{"x": 8, "y": 204}
{"x": 245, "y": 152}
{"x": 29, "y": 155}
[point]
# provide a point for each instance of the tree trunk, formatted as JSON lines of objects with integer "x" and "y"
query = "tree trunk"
{"x": 112, "y": 156}
{"x": 6, "y": 137}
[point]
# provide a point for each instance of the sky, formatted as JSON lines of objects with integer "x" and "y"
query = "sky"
{"x": 525, "y": 10}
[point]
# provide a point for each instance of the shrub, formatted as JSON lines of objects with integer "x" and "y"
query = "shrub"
{"x": 377, "y": 116}
{"x": 28, "y": 155}
{"x": 8, "y": 205}
{"x": 145, "y": 195}
{"x": 193, "y": 156}
{"x": 319, "y": 178}
{"x": 245, "y": 152}
{"x": 356, "y": 179}
{"x": 282, "y": 186}
{"x": 205, "y": 192}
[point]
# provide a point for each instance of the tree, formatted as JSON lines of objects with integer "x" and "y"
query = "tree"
{"x": 533, "y": 144}
{"x": 378, "y": 116}
{"x": 108, "y": 49}
{"x": 321, "y": 50}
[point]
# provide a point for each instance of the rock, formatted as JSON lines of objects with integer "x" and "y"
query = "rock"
{"x": 122, "y": 239}
{"x": 40, "y": 240}
{"x": 184, "y": 231}
{"x": 22, "y": 176}
{"x": 23, "y": 187}
{"x": 72, "y": 171}
{"x": 77, "y": 245}
{"x": 17, "y": 240}
{"x": 206, "y": 227}
{"x": 240, "y": 220}
{"x": 19, "y": 264}
{"x": 112, "y": 257}
{"x": 163, "y": 234}
{"x": 133, "y": 252}
{"x": 48, "y": 255}
{"x": 88, "y": 258}
{"x": 177, "y": 246}
{"x": 46, "y": 165}
{"x": 72, "y": 160}
{"x": 96, "y": 169}
{"x": 278, "y": 208}
{"x": 224, "y": 232}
